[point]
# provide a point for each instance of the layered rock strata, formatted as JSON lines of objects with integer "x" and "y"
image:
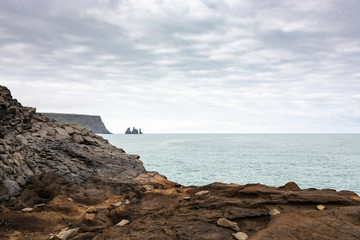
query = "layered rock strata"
{"x": 63, "y": 182}
{"x": 33, "y": 146}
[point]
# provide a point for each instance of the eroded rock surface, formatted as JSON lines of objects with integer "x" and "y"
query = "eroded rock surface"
{"x": 80, "y": 187}
{"x": 39, "y": 153}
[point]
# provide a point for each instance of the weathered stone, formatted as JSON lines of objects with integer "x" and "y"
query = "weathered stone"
{"x": 27, "y": 209}
{"x": 320, "y": 207}
{"x": 90, "y": 217}
{"x": 78, "y": 139}
{"x": 201, "y": 193}
{"x": 147, "y": 187}
{"x": 274, "y": 212}
{"x": 355, "y": 198}
{"x": 62, "y": 133}
{"x": 223, "y": 222}
{"x": 115, "y": 205}
{"x": 66, "y": 234}
{"x": 122, "y": 223}
{"x": 240, "y": 236}
{"x": 91, "y": 210}
{"x": 187, "y": 198}
{"x": 13, "y": 188}
{"x": 69, "y": 130}
{"x": 291, "y": 186}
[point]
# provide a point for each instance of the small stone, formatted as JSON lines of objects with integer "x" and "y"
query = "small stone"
{"x": 115, "y": 205}
{"x": 187, "y": 198}
{"x": 240, "y": 236}
{"x": 27, "y": 209}
{"x": 70, "y": 199}
{"x": 274, "y": 212}
{"x": 147, "y": 188}
{"x": 40, "y": 205}
{"x": 122, "y": 223}
{"x": 91, "y": 210}
{"x": 320, "y": 207}
{"x": 127, "y": 202}
{"x": 66, "y": 234}
{"x": 89, "y": 217}
{"x": 223, "y": 222}
{"x": 201, "y": 193}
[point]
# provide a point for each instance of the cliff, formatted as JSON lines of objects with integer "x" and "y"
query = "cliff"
{"x": 93, "y": 123}
{"x": 63, "y": 181}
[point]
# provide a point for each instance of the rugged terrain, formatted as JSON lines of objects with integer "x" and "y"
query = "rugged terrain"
{"x": 64, "y": 182}
{"x": 92, "y": 123}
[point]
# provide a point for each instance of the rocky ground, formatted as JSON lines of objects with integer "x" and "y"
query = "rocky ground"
{"x": 64, "y": 182}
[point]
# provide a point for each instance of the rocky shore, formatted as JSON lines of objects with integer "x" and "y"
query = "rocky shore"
{"x": 61, "y": 181}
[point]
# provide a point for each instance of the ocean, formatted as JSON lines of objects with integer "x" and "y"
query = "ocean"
{"x": 311, "y": 160}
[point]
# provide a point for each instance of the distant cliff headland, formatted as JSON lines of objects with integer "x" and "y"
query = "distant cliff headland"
{"x": 93, "y": 123}
{"x": 134, "y": 131}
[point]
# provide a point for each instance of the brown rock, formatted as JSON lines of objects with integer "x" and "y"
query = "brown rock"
{"x": 91, "y": 210}
{"x": 223, "y": 222}
{"x": 291, "y": 186}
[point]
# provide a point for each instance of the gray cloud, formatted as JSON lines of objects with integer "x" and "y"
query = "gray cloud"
{"x": 188, "y": 66}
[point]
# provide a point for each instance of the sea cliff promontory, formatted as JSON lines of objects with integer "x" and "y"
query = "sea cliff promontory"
{"x": 62, "y": 181}
{"x": 92, "y": 123}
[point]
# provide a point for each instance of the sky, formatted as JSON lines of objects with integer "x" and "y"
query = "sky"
{"x": 188, "y": 66}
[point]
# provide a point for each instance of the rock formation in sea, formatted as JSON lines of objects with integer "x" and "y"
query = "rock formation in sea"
{"x": 134, "y": 131}
{"x": 62, "y": 181}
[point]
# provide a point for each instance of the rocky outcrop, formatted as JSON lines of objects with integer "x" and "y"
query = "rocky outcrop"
{"x": 65, "y": 182}
{"x": 33, "y": 146}
{"x": 93, "y": 123}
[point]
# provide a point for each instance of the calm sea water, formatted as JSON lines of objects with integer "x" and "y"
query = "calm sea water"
{"x": 311, "y": 160}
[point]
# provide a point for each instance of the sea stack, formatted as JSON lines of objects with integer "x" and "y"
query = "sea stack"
{"x": 134, "y": 131}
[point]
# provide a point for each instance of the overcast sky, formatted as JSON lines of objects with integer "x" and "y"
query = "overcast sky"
{"x": 189, "y": 65}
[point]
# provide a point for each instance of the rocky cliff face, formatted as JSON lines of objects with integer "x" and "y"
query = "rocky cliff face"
{"x": 65, "y": 182}
{"x": 93, "y": 123}
{"x": 32, "y": 145}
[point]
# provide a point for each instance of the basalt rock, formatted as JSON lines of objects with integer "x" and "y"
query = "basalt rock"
{"x": 80, "y": 187}
{"x": 35, "y": 149}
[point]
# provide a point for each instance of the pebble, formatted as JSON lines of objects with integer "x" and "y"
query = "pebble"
{"x": 274, "y": 212}
{"x": 122, "y": 223}
{"x": 187, "y": 198}
{"x": 115, "y": 205}
{"x": 240, "y": 236}
{"x": 201, "y": 193}
{"x": 27, "y": 209}
{"x": 320, "y": 207}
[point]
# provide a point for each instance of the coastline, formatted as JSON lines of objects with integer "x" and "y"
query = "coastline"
{"x": 61, "y": 181}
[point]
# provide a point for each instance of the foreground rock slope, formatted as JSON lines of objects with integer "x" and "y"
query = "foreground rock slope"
{"x": 63, "y": 182}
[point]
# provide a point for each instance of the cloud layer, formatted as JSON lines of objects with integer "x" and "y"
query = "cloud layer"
{"x": 188, "y": 66}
